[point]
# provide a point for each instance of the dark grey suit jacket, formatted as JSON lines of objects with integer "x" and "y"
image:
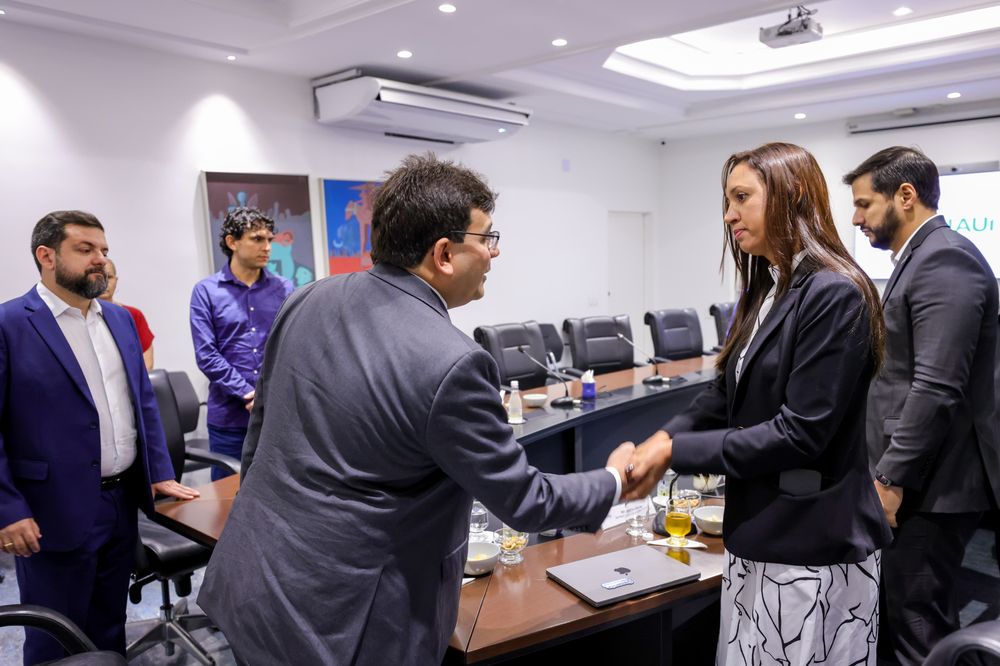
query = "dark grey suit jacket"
{"x": 790, "y": 434}
{"x": 931, "y": 412}
{"x": 375, "y": 422}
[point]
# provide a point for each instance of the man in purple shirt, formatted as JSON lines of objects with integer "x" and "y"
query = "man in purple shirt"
{"x": 231, "y": 316}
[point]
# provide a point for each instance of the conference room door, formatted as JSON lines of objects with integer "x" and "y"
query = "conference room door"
{"x": 629, "y": 243}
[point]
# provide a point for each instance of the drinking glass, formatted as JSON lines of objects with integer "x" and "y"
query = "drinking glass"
{"x": 638, "y": 513}
{"x": 511, "y": 543}
{"x": 478, "y": 521}
{"x": 678, "y": 518}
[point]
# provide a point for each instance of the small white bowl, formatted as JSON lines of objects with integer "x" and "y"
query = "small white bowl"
{"x": 535, "y": 399}
{"x": 709, "y": 518}
{"x": 482, "y": 558}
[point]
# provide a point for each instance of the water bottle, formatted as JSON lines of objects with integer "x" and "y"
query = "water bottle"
{"x": 478, "y": 521}
{"x": 514, "y": 411}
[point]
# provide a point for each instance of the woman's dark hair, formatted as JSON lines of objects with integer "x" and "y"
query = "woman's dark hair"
{"x": 239, "y": 221}
{"x": 796, "y": 217}
{"x": 894, "y": 166}
{"x": 423, "y": 200}
{"x": 50, "y": 231}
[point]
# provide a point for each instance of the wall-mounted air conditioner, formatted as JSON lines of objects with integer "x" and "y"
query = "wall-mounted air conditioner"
{"x": 414, "y": 112}
{"x": 939, "y": 114}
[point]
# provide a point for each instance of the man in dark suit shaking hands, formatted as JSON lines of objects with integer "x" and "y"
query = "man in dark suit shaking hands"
{"x": 931, "y": 411}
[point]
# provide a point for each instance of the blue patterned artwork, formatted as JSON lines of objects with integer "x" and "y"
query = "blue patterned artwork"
{"x": 347, "y": 206}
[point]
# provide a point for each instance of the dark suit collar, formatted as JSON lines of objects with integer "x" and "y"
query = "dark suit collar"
{"x": 931, "y": 225}
{"x": 406, "y": 281}
{"x": 45, "y": 324}
{"x": 771, "y": 322}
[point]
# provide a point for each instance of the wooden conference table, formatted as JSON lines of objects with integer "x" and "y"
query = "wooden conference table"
{"x": 516, "y": 610}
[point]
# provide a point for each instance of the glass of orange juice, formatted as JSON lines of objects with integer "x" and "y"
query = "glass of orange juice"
{"x": 678, "y": 516}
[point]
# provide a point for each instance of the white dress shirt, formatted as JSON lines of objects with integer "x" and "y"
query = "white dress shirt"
{"x": 765, "y": 308}
{"x": 101, "y": 362}
{"x": 894, "y": 257}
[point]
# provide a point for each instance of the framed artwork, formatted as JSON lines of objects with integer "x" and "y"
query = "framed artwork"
{"x": 347, "y": 211}
{"x": 285, "y": 199}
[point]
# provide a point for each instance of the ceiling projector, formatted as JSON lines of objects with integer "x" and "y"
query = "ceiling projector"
{"x": 799, "y": 30}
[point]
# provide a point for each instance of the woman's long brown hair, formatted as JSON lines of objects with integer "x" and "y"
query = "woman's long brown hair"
{"x": 796, "y": 217}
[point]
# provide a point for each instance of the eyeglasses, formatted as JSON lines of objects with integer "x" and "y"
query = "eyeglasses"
{"x": 492, "y": 244}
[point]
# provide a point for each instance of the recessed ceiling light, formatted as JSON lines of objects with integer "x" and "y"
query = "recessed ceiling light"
{"x": 799, "y": 116}
{"x": 404, "y": 54}
{"x": 954, "y": 95}
{"x": 230, "y": 58}
{"x": 502, "y": 130}
{"x": 2, "y": 12}
{"x": 902, "y": 11}
{"x": 559, "y": 42}
{"x": 447, "y": 8}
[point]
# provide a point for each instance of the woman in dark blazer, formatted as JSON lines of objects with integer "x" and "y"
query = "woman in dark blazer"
{"x": 785, "y": 422}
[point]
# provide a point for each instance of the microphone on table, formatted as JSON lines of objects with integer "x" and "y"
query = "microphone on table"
{"x": 565, "y": 401}
{"x": 656, "y": 377}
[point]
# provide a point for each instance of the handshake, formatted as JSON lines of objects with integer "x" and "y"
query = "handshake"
{"x": 640, "y": 467}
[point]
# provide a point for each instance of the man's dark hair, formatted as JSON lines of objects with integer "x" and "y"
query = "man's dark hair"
{"x": 239, "y": 221}
{"x": 50, "y": 231}
{"x": 894, "y": 166}
{"x": 423, "y": 200}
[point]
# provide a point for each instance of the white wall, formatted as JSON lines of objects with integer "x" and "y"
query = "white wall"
{"x": 692, "y": 193}
{"x": 124, "y": 132}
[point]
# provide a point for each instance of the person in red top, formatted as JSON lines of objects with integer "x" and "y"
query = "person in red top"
{"x": 145, "y": 335}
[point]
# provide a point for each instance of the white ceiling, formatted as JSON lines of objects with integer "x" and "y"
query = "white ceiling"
{"x": 502, "y": 49}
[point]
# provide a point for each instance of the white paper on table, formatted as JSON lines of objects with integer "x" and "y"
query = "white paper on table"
{"x": 620, "y": 513}
{"x": 691, "y": 543}
{"x": 466, "y": 581}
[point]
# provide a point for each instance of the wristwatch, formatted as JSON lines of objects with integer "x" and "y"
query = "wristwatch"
{"x": 883, "y": 479}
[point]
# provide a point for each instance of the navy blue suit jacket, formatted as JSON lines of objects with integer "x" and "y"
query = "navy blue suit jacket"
{"x": 795, "y": 419}
{"x": 50, "y": 442}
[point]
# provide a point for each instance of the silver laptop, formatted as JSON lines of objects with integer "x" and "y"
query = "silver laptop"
{"x": 605, "y": 579}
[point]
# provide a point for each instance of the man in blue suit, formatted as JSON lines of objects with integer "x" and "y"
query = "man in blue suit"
{"x": 81, "y": 445}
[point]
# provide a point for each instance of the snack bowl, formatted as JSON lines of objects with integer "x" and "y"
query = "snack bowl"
{"x": 709, "y": 518}
{"x": 535, "y": 399}
{"x": 482, "y": 558}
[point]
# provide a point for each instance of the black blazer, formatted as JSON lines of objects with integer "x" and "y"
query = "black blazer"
{"x": 790, "y": 435}
{"x": 932, "y": 410}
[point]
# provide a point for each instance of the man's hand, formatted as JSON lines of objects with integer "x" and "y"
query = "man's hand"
{"x": 618, "y": 459}
{"x": 174, "y": 489}
{"x": 891, "y": 498}
{"x": 21, "y": 538}
{"x": 249, "y": 398}
{"x": 650, "y": 462}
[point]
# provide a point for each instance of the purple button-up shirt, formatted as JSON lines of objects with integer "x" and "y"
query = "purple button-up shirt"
{"x": 229, "y": 324}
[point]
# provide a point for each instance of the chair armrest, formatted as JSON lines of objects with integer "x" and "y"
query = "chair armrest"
{"x": 55, "y": 624}
{"x": 710, "y": 352}
{"x": 224, "y": 461}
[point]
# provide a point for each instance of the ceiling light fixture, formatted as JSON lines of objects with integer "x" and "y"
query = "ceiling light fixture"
{"x": 559, "y": 42}
{"x": 2, "y": 12}
{"x": 502, "y": 130}
{"x": 902, "y": 11}
{"x": 954, "y": 95}
{"x": 404, "y": 54}
{"x": 447, "y": 8}
{"x": 230, "y": 58}
{"x": 799, "y": 116}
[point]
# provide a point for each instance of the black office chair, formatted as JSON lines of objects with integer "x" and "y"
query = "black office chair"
{"x": 723, "y": 315}
{"x": 189, "y": 411}
{"x": 676, "y": 333}
{"x": 502, "y": 342}
{"x": 82, "y": 651}
{"x": 975, "y": 645}
{"x": 165, "y": 556}
{"x": 554, "y": 347}
{"x": 595, "y": 345}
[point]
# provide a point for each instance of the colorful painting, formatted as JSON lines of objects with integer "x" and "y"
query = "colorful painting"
{"x": 347, "y": 206}
{"x": 285, "y": 199}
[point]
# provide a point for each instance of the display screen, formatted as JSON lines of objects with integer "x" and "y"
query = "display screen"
{"x": 970, "y": 202}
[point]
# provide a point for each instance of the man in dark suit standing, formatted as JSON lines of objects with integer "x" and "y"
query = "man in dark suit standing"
{"x": 80, "y": 438}
{"x": 931, "y": 411}
{"x": 375, "y": 423}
